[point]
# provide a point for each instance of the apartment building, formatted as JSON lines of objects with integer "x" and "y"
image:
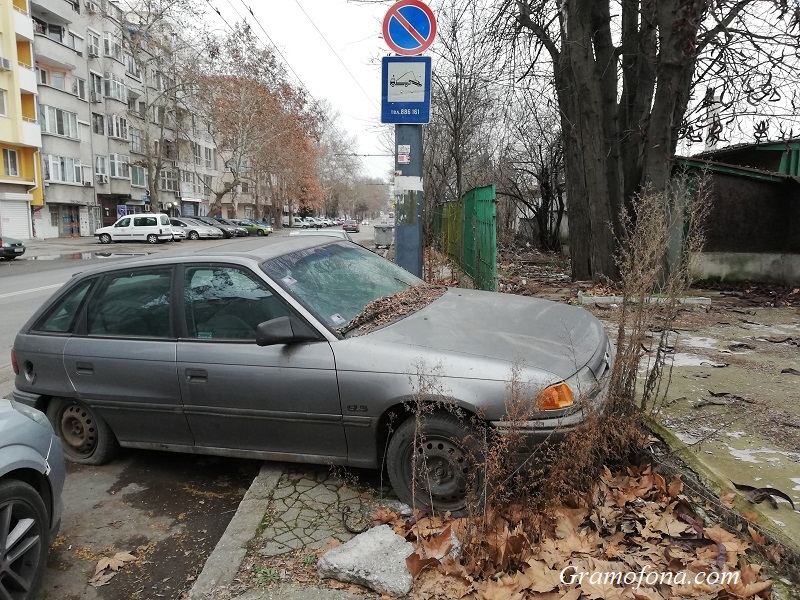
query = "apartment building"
{"x": 20, "y": 136}
{"x": 84, "y": 93}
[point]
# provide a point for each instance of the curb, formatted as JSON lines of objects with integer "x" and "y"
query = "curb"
{"x": 720, "y": 485}
{"x": 223, "y": 563}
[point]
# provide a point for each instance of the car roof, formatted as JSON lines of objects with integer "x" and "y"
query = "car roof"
{"x": 258, "y": 254}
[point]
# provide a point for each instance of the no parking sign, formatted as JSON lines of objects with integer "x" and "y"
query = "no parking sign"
{"x": 409, "y": 27}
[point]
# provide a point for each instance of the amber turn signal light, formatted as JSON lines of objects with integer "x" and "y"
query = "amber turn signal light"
{"x": 556, "y": 396}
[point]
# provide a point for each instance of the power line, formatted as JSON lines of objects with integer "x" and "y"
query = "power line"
{"x": 336, "y": 54}
{"x": 274, "y": 45}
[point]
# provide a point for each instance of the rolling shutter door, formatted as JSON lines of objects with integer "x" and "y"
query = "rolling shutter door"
{"x": 15, "y": 219}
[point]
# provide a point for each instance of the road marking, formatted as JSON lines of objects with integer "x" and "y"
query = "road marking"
{"x": 32, "y": 290}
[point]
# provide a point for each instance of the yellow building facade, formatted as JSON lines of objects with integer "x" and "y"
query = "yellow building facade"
{"x": 20, "y": 133}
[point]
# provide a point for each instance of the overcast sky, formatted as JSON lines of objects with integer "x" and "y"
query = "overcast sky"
{"x": 353, "y": 31}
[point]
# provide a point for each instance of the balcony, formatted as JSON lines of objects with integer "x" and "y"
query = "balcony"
{"x": 50, "y": 52}
{"x": 27, "y": 78}
{"x": 31, "y": 133}
{"x": 56, "y": 11}
{"x": 23, "y": 25}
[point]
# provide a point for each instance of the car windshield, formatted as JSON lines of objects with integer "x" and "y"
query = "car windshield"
{"x": 338, "y": 280}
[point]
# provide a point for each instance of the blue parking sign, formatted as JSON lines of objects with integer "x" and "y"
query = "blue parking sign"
{"x": 406, "y": 89}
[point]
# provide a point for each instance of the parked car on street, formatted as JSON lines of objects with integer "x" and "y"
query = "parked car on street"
{"x": 195, "y": 230}
{"x": 253, "y": 228}
{"x": 146, "y": 227}
{"x": 278, "y": 352}
{"x": 228, "y": 231}
{"x": 312, "y": 222}
{"x": 351, "y": 225}
{"x": 11, "y": 248}
{"x": 31, "y": 480}
{"x": 240, "y": 231}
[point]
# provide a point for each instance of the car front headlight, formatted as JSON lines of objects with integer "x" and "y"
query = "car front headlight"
{"x": 32, "y": 414}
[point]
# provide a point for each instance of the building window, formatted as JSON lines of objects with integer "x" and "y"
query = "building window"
{"x": 10, "y": 164}
{"x": 3, "y": 112}
{"x": 198, "y": 153}
{"x": 112, "y": 47}
{"x": 209, "y": 157}
{"x": 42, "y": 75}
{"x": 131, "y": 68}
{"x": 62, "y": 169}
{"x": 169, "y": 180}
{"x": 135, "y": 138}
{"x": 100, "y": 165}
{"x": 118, "y": 166}
{"x": 98, "y": 124}
{"x": 58, "y": 81}
{"x": 75, "y": 42}
{"x": 117, "y": 127}
{"x": 115, "y": 88}
{"x": 207, "y": 180}
{"x": 245, "y": 187}
{"x": 96, "y": 84}
{"x": 93, "y": 43}
{"x": 112, "y": 10}
{"x": 58, "y": 122}
{"x": 138, "y": 176}
{"x": 79, "y": 87}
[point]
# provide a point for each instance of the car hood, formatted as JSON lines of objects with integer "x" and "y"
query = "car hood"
{"x": 524, "y": 331}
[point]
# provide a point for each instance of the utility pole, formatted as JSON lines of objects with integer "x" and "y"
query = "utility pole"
{"x": 409, "y": 29}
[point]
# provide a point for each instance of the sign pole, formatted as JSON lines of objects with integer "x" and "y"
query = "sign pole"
{"x": 409, "y": 205}
{"x": 409, "y": 29}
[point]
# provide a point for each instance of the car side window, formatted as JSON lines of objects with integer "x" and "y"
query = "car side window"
{"x": 123, "y": 223}
{"x": 62, "y": 316}
{"x": 145, "y": 221}
{"x": 164, "y": 219}
{"x": 227, "y": 303}
{"x": 132, "y": 304}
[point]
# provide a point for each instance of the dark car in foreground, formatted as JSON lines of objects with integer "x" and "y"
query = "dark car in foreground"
{"x": 31, "y": 479}
{"x": 300, "y": 350}
{"x": 11, "y": 248}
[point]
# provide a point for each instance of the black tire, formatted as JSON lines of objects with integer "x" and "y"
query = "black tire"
{"x": 22, "y": 510}
{"x": 152, "y": 238}
{"x": 104, "y": 238}
{"x": 193, "y": 235}
{"x": 260, "y": 232}
{"x": 86, "y": 437}
{"x": 446, "y": 454}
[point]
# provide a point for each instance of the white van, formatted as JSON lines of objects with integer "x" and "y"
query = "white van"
{"x": 145, "y": 227}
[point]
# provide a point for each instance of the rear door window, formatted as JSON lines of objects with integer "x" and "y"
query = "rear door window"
{"x": 132, "y": 304}
{"x": 61, "y": 318}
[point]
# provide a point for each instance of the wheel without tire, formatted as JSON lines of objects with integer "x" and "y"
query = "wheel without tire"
{"x": 86, "y": 437}
{"x": 152, "y": 238}
{"x": 439, "y": 465}
{"x": 193, "y": 235}
{"x": 105, "y": 238}
{"x": 24, "y": 531}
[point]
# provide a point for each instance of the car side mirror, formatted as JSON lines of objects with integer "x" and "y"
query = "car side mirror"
{"x": 283, "y": 330}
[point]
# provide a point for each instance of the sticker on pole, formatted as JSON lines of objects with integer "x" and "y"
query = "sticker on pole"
{"x": 409, "y": 27}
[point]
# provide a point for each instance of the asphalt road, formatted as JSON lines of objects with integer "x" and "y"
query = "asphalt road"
{"x": 168, "y": 510}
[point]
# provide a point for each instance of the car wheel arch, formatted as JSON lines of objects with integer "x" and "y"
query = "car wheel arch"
{"x": 38, "y": 481}
{"x": 403, "y": 410}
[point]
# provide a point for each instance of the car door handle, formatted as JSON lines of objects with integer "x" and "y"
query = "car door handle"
{"x": 84, "y": 368}
{"x": 196, "y": 375}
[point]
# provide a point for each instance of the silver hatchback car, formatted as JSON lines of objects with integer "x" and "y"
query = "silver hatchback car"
{"x": 31, "y": 479}
{"x": 299, "y": 350}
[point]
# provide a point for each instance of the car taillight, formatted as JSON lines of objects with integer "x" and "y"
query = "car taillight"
{"x": 554, "y": 397}
{"x": 14, "y": 364}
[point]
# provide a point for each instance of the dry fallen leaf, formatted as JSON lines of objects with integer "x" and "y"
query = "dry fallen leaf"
{"x": 727, "y": 499}
{"x": 757, "y": 537}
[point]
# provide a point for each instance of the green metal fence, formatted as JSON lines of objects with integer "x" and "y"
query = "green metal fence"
{"x": 467, "y": 232}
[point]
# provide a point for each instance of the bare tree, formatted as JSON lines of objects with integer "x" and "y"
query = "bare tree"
{"x": 625, "y": 73}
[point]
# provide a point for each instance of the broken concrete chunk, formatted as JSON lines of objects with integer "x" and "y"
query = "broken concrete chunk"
{"x": 375, "y": 559}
